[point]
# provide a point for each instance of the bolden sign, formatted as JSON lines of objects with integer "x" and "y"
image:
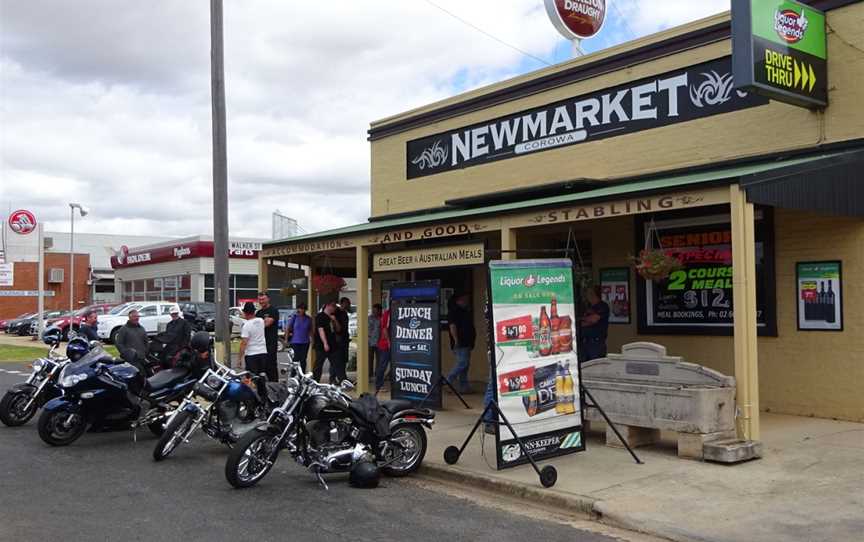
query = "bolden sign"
{"x": 577, "y": 19}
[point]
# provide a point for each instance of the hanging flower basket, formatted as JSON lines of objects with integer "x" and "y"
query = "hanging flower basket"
{"x": 327, "y": 284}
{"x": 653, "y": 264}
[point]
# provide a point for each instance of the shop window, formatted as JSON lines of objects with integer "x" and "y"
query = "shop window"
{"x": 246, "y": 281}
{"x": 149, "y": 310}
{"x": 209, "y": 295}
{"x": 186, "y": 295}
{"x": 209, "y": 281}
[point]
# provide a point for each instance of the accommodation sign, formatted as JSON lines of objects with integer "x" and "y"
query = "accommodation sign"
{"x": 779, "y": 50}
{"x": 678, "y": 96}
{"x": 419, "y": 258}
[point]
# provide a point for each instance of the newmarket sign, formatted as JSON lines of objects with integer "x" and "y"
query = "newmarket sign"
{"x": 680, "y": 96}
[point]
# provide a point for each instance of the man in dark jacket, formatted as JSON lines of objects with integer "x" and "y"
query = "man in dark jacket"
{"x": 87, "y": 328}
{"x": 178, "y": 332}
{"x": 132, "y": 341}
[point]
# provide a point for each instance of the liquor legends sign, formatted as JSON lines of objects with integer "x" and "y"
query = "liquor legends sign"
{"x": 577, "y": 19}
{"x": 534, "y": 360}
{"x": 779, "y": 50}
{"x": 196, "y": 249}
{"x": 22, "y": 221}
{"x": 679, "y": 96}
{"x": 415, "y": 337}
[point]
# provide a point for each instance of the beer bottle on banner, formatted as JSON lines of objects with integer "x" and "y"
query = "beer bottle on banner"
{"x": 830, "y": 305}
{"x": 545, "y": 333}
{"x": 556, "y": 323}
{"x": 571, "y": 391}
{"x": 560, "y": 391}
{"x": 808, "y": 307}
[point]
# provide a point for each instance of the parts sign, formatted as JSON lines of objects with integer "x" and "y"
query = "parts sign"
{"x": 779, "y": 51}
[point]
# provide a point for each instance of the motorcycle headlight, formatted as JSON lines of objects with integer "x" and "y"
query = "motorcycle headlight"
{"x": 38, "y": 365}
{"x": 72, "y": 380}
{"x": 214, "y": 381}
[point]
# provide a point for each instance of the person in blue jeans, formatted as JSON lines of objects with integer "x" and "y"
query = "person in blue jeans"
{"x": 299, "y": 332}
{"x": 462, "y": 338}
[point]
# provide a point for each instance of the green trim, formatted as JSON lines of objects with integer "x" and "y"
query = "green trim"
{"x": 659, "y": 183}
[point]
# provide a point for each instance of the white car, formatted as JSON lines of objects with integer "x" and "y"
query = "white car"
{"x": 152, "y": 314}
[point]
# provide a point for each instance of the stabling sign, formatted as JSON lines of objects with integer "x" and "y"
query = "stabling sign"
{"x": 415, "y": 342}
{"x": 779, "y": 51}
{"x": 428, "y": 257}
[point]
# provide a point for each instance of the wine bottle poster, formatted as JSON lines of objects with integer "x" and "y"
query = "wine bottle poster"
{"x": 615, "y": 290}
{"x": 535, "y": 363}
{"x": 819, "y": 296}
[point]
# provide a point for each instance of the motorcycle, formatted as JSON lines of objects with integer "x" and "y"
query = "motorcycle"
{"x": 21, "y": 401}
{"x": 327, "y": 431}
{"x": 101, "y": 392}
{"x": 222, "y": 403}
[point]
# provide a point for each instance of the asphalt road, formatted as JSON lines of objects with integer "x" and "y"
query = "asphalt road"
{"x": 106, "y": 487}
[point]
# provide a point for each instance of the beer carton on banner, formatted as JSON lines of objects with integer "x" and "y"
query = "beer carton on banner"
{"x": 534, "y": 359}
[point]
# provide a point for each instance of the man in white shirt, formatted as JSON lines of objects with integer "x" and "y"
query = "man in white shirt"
{"x": 253, "y": 346}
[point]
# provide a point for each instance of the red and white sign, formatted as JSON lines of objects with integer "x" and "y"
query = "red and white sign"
{"x": 577, "y": 19}
{"x": 195, "y": 249}
{"x": 22, "y": 221}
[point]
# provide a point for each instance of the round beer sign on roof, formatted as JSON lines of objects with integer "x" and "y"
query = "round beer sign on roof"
{"x": 577, "y": 19}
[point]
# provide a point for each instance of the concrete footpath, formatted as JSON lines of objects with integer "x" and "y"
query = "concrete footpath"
{"x": 809, "y": 485}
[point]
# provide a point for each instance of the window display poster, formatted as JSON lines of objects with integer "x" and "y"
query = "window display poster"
{"x": 535, "y": 367}
{"x": 819, "y": 296}
{"x": 615, "y": 290}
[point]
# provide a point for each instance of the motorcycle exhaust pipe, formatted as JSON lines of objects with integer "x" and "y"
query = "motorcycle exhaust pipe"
{"x": 343, "y": 459}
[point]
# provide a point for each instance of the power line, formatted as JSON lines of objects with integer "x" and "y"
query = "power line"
{"x": 487, "y": 34}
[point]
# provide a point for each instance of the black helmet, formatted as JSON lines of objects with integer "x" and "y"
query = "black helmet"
{"x": 77, "y": 348}
{"x": 364, "y": 474}
{"x": 52, "y": 335}
{"x": 200, "y": 342}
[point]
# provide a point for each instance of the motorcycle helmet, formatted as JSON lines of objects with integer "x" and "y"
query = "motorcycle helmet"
{"x": 364, "y": 474}
{"x": 76, "y": 349}
{"x": 52, "y": 335}
{"x": 200, "y": 341}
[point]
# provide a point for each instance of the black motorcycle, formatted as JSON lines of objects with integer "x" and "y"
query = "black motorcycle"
{"x": 327, "y": 431}
{"x": 104, "y": 393}
{"x": 223, "y": 403}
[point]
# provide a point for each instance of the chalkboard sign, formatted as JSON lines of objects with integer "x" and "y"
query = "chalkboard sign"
{"x": 415, "y": 342}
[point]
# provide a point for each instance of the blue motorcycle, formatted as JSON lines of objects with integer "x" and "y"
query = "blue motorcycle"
{"x": 103, "y": 393}
{"x": 224, "y": 404}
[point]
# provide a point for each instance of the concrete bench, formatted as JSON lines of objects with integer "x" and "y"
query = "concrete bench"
{"x": 644, "y": 391}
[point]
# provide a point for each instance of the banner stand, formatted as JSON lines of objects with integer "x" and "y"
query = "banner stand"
{"x": 594, "y": 404}
{"x": 443, "y": 380}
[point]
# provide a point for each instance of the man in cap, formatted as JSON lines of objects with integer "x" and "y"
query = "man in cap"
{"x": 253, "y": 345}
{"x": 177, "y": 335}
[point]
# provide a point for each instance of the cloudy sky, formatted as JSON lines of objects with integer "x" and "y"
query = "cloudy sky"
{"x": 107, "y": 102}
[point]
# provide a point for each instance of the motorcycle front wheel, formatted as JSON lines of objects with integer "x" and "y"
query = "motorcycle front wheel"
{"x": 12, "y": 411}
{"x": 175, "y": 433}
{"x": 250, "y": 459}
{"x": 59, "y": 428}
{"x": 407, "y": 450}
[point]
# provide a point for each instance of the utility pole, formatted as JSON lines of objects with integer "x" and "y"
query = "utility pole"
{"x": 220, "y": 181}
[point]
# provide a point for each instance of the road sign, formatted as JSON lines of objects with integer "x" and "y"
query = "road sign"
{"x": 779, "y": 50}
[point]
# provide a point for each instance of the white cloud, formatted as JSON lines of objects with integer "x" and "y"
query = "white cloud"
{"x": 108, "y": 102}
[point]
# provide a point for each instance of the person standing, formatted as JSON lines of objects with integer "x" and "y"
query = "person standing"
{"x": 325, "y": 340}
{"x": 132, "y": 341}
{"x": 462, "y": 338}
{"x": 343, "y": 340}
{"x": 270, "y": 315}
{"x": 374, "y": 334}
{"x": 299, "y": 333}
{"x": 178, "y": 333}
{"x": 594, "y": 326}
{"x": 87, "y": 328}
{"x": 253, "y": 343}
{"x": 383, "y": 347}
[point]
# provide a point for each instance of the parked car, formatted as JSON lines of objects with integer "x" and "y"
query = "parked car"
{"x": 152, "y": 314}
{"x": 202, "y": 315}
{"x": 13, "y": 323}
{"x": 67, "y": 322}
{"x": 47, "y": 317}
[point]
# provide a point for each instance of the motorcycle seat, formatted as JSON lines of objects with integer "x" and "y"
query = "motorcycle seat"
{"x": 396, "y": 405}
{"x": 166, "y": 378}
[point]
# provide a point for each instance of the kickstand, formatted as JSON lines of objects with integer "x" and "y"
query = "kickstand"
{"x": 321, "y": 479}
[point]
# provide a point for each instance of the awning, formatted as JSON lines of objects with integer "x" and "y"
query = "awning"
{"x": 654, "y": 184}
{"x": 831, "y": 184}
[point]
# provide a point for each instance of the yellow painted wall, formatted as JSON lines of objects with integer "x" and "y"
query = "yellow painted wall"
{"x": 750, "y": 132}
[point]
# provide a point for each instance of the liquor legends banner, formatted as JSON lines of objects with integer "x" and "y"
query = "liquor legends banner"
{"x": 415, "y": 345}
{"x": 615, "y": 289}
{"x": 820, "y": 305}
{"x": 679, "y": 96}
{"x": 535, "y": 365}
{"x": 698, "y": 298}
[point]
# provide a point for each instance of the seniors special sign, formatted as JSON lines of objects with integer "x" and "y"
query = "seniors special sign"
{"x": 440, "y": 256}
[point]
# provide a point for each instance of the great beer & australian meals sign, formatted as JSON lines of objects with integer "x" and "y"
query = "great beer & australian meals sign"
{"x": 679, "y": 96}
{"x": 779, "y": 50}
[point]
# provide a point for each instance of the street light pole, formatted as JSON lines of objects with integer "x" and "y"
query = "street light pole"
{"x": 83, "y": 212}
{"x": 220, "y": 180}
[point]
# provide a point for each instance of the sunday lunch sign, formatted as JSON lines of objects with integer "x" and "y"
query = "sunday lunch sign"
{"x": 679, "y": 96}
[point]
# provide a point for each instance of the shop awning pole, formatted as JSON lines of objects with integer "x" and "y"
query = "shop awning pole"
{"x": 362, "y": 319}
{"x": 744, "y": 313}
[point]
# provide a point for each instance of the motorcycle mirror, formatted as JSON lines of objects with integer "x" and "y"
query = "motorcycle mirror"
{"x": 347, "y": 385}
{"x": 95, "y": 344}
{"x": 72, "y": 334}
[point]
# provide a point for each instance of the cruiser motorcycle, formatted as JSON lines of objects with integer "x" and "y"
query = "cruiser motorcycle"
{"x": 21, "y": 401}
{"x": 327, "y": 431}
{"x": 223, "y": 403}
{"x": 101, "y": 392}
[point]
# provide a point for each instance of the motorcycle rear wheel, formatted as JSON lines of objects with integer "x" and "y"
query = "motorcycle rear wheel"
{"x": 248, "y": 462}
{"x": 413, "y": 438}
{"x": 55, "y": 432}
{"x": 12, "y": 411}
{"x": 174, "y": 435}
